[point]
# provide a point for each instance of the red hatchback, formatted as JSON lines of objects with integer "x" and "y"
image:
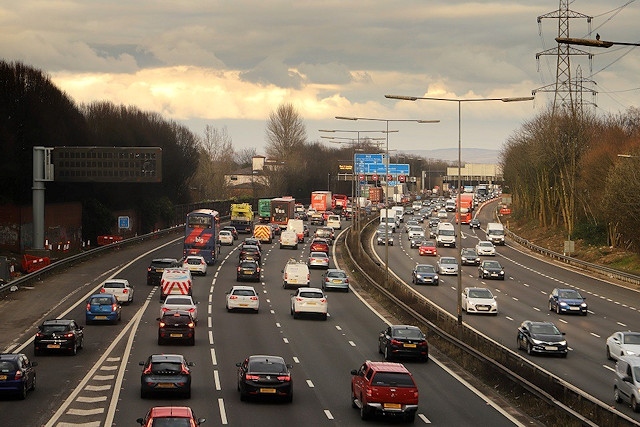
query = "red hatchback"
{"x": 319, "y": 245}
{"x": 428, "y": 247}
{"x": 170, "y": 415}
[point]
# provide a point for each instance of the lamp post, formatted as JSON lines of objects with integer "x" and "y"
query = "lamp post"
{"x": 459, "y": 228}
{"x": 386, "y": 198}
{"x": 592, "y": 43}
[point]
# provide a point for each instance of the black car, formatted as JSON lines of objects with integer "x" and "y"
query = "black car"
{"x": 252, "y": 241}
{"x": 251, "y": 253}
{"x": 176, "y": 326}
{"x": 403, "y": 341}
{"x": 469, "y": 256}
{"x": 232, "y": 229}
{"x": 58, "y": 335}
{"x": 490, "y": 269}
{"x": 166, "y": 373}
{"x": 154, "y": 271}
{"x": 434, "y": 221}
{"x": 424, "y": 274}
{"x": 265, "y": 376}
{"x": 275, "y": 229}
{"x": 541, "y": 337}
{"x": 248, "y": 270}
{"x": 474, "y": 223}
{"x": 17, "y": 374}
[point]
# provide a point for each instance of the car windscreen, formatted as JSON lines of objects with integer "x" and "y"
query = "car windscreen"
{"x": 544, "y": 330}
{"x": 480, "y": 293}
{"x": 396, "y": 379}
{"x": 448, "y": 261}
{"x": 425, "y": 269}
{"x": 446, "y": 233}
{"x": 492, "y": 264}
{"x": 632, "y": 339}
{"x": 570, "y": 294}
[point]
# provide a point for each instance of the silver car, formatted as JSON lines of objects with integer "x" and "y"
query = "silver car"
{"x": 335, "y": 278}
{"x": 447, "y": 265}
{"x": 318, "y": 260}
{"x": 180, "y": 303}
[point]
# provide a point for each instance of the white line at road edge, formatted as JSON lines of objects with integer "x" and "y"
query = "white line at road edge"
{"x": 443, "y": 367}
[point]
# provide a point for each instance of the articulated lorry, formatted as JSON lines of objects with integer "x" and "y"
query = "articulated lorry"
{"x": 242, "y": 217}
{"x": 321, "y": 201}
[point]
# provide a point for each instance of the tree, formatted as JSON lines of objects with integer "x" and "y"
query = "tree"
{"x": 244, "y": 157}
{"x": 216, "y": 160}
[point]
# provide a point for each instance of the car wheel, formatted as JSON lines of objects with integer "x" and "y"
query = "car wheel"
{"x": 160, "y": 341}
{"x": 387, "y": 356}
{"x": 243, "y": 396}
{"x": 529, "y": 348}
{"x": 558, "y": 308}
{"x": 192, "y": 342}
{"x": 616, "y": 395}
{"x": 634, "y": 404}
{"x": 36, "y": 352}
{"x": 324, "y": 316}
{"x": 609, "y": 354}
{"x": 74, "y": 349}
{"x": 143, "y": 394}
{"x": 187, "y": 394}
{"x": 550, "y": 306}
{"x": 289, "y": 397}
{"x": 33, "y": 383}
{"x": 22, "y": 394}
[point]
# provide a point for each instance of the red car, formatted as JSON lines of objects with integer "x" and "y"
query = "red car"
{"x": 428, "y": 247}
{"x": 319, "y": 245}
{"x": 170, "y": 415}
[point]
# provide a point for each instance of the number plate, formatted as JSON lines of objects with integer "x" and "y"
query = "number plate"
{"x": 175, "y": 335}
{"x": 550, "y": 347}
{"x": 100, "y": 317}
{"x": 311, "y": 303}
{"x": 574, "y": 308}
{"x": 392, "y": 406}
{"x": 3, "y": 377}
{"x": 410, "y": 346}
{"x": 165, "y": 385}
{"x": 268, "y": 390}
{"x": 243, "y": 305}
{"x": 53, "y": 346}
{"x": 483, "y": 308}
{"x": 337, "y": 281}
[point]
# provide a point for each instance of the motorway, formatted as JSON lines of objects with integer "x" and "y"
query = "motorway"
{"x": 101, "y": 385}
{"x": 523, "y": 295}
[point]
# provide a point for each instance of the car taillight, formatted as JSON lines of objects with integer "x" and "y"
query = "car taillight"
{"x": 254, "y": 298}
{"x": 184, "y": 370}
{"x": 257, "y": 269}
{"x": 192, "y": 310}
{"x": 202, "y": 262}
{"x": 147, "y": 370}
{"x": 191, "y": 325}
{"x": 423, "y": 344}
{"x": 346, "y": 280}
{"x": 323, "y": 300}
{"x": 88, "y": 307}
{"x": 114, "y": 307}
{"x": 233, "y": 297}
{"x": 252, "y": 377}
{"x": 395, "y": 342}
{"x": 239, "y": 268}
{"x": 299, "y": 299}
{"x": 162, "y": 324}
{"x": 284, "y": 378}
{"x": 18, "y": 374}
{"x": 165, "y": 309}
{"x": 68, "y": 335}
{"x": 125, "y": 290}
{"x": 39, "y": 334}
{"x": 308, "y": 277}
{"x": 102, "y": 290}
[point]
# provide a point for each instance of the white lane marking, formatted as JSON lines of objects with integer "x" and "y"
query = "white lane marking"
{"x": 595, "y": 335}
{"x": 295, "y": 359}
{"x": 87, "y": 399}
{"x": 210, "y": 298}
{"x": 103, "y": 377}
{"x": 272, "y": 311}
{"x": 563, "y": 321}
{"x": 89, "y": 424}
{"x": 97, "y": 388}
{"x": 328, "y": 414}
{"x": 286, "y": 341}
{"x": 508, "y": 318}
{"x": 424, "y": 419}
{"x": 85, "y": 412}
{"x": 108, "y": 368}
{"x": 211, "y": 337}
{"x": 622, "y": 324}
{"x": 310, "y": 383}
{"x": 216, "y": 274}
{"x": 209, "y": 320}
{"x": 609, "y": 368}
{"x": 209, "y": 309}
{"x": 277, "y": 324}
{"x": 338, "y": 328}
{"x": 216, "y": 379}
{"x": 214, "y": 360}
{"x": 223, "y": 413}
{"x": 352, "y": 344}
{"x": 536, "y": 309}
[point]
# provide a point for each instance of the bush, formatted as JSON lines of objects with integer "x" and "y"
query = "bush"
{"x": 592, "y": 234}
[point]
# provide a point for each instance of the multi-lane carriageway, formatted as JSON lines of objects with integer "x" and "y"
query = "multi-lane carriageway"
{"x": 100, "y": 386}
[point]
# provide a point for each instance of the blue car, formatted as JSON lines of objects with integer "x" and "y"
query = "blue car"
{"x": 567, "y": 301}
{"x": 17, "y": 374}
{"x": 103, "y": 308}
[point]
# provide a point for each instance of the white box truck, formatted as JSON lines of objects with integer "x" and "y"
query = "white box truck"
{"x": 495, "y": 233}
{"x": 389, "y": 217}
{"x": 445, "y": 235}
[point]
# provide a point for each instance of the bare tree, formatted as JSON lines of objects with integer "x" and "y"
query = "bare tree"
{"x": 216, "y": 161}
{"x": 244, "y": 157}
{"x": 286, "y": 132}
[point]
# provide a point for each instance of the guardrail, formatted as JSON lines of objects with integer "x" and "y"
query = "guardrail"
{"x": 535, "y": 391}
{"x": 67, "y": 261}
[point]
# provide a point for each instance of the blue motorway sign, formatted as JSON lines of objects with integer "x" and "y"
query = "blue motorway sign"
{"x": 123, "y": 222}
{"x": 362, "y": 161}
{"x": 394, "y": 168}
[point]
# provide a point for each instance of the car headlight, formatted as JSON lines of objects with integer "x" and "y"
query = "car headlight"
{"x": 419, "y": 276}
{"x": 630, "y": 353}
{"x": 562, "y": 303}
{"x": 535, "y": 341}
{"x": 435, "y": 277}
{"x": 562, "y": 343}
{"x": 485, "y": 271}
{"x": 583, "y": 305}
{"x": 501, "y": 272}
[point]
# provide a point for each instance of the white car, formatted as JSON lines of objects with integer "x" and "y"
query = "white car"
{"x": 485, "y": 247}
{"x": 415, "y": 232}
{"x": 195, "y": 264}
{"x": 226, "y": 237}
{"x": 180, "y": 303}
{"x": 479, "y": 300}
{"x": 624, "y": 343}
{"x": 309, "y": 300}
{"x": 442, "y": 214}
{"x": 120, "y": 288}
{"x": 243, "y": 297}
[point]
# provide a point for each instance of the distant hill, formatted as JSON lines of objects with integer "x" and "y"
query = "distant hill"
{"x": 469, "y": 155}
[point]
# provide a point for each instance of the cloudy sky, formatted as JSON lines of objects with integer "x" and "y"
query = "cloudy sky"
{"x": 230, "y": 63}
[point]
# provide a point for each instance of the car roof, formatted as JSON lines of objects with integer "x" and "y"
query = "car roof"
{"x": 387, "y": 366}
{"x": 318, "y": 254}
{"x": 194, "y": 256}
{"x": 243, "y": 287}
{"x": 335, "y": 270}
{"x": 308, "y": 289}
{"x": 57, "y": 321}
{"x": 171, "y": 411}
{"x": 266, "y": 357}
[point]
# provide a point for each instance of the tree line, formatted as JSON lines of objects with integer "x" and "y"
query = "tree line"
{"x": 34, "y": 112}
{"x": 580, "y": 172}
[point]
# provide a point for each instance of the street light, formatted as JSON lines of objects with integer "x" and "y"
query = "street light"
{"x": 386, "y": 196}
{"x": 459, "y": 235}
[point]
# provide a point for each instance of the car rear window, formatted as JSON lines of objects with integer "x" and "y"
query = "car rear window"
{"x": 7, "y": 366}
{"x": 171, "y": 422}
{"x": 248, "y": 264}
{"x": 396, "y": 379}
{"x": 307, "y": 294}
{"x": 180, "y": 301}
{"x": 339, "y": 274}
{"x": 119, "y": 285}
{"x": 163, "y": 264}
{"x": 166, "y": 367}
{"x": 244, "y": 292}
{"x": 267, "y": 366}
{"x": 193, "y": 261}
{"x": 54, "y": 328}
{"x": 413, "y": 334}
{"x": 101, "y": 301}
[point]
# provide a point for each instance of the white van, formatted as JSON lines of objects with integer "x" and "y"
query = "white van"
{"x": 297, "y": 226}
{"x": 175, "y": 281}
{"x": 334, "y": 221}
{"x": 399, "y": 210}
{"x": 289, "y": 239}
{"x": 295, "y": 274}
{"x": 495, "y": 233}
{"x": 445, "y": 235}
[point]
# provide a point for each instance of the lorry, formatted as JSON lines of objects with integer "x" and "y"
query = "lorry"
{"x": 263, "y": 233}
{"x": 297, "y": 226}
{"x": 389, "y": 217}
{"x": 264, "y": 210}
{"x": 282, "y": 209}
{"x": 445, "y": 235}
{"x": 375, "y": 195}
{"x": 339, "y": 202}
{"x": 495, "y": 233}
{"x": 464, "y": 211}
{"x": 321, "y": 200}
{"x": 242, "y": 217}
